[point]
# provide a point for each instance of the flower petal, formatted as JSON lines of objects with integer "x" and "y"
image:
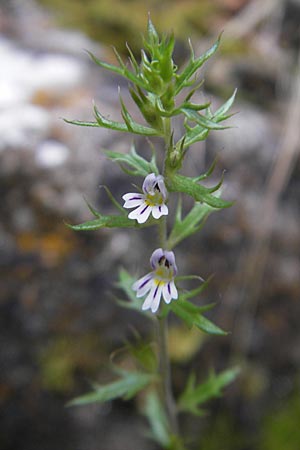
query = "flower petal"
{"x": 155, "y": 257}
{"x": 171, "y": 258}
{"x": 140, "y": 282}
{"x": 167, "y": 292}
{"x": 131, "y": 195}
{"x": 162, "y": 188}
{"x": 141, "y": 214}
{"x": 153, "y": 299}
{"x": 145, "y": 286}
{"x": 133, "y": 202}
{"x": 173, "y": 289}
{"x": 149, "y": 183}
{"x": 156, "y": 298}
{"x": 159, "y": 210}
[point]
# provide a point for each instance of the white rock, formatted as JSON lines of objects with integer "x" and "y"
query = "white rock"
{"x": 23, "y": 125}
{"x": 51, "y": 153}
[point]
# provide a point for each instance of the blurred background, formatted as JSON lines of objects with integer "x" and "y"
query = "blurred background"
{"x": 59, "y": 322}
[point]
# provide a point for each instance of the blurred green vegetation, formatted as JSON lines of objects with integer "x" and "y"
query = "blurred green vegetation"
{"x": 280, "y": 428}
{"x": 61, "y": 360}
{"x": 115, "y": 22}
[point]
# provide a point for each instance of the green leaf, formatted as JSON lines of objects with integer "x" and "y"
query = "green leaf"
{"x": 195, "y": 395}
{"x": 193, "y": 65}
{"x": 193, "y": 116}
{"x": 126, "y": 387}
{"x": 122, "y": 70}
{"x": 198, "y": 290}
{"x": 180, "y": 183}
{"x": 125, "y": 283}
{"x": 194, "y": 134}
{"x": 140, "y": 166}
{"x": 192, "y": 223}
{"x": 106, "y": 222}
{"x": 130, "y": 126}
{"x": 220, "y": 114}
{"x": 154, "y": 411}
{"x": 191, "y": 315}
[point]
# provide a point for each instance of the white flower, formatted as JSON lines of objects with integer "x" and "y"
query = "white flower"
{"x": 151, "y": 201}
{"x": 159, "y": 282}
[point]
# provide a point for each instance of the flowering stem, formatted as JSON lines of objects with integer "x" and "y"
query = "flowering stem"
{"x": 165, "y": 373}
{"x": 166, "y": 392}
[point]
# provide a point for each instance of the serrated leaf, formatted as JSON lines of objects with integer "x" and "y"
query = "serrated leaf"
{"x": 154, "y": 411}
{"x": 128, "y": 385}
{"x": 125, "y": 283}
{"x": 221, "y": 112}
{"x": 180, "y": 183}
{"x": 140, "y": 166}
{"x": 191, "y": 223}
{"x": 193, "y": 116}
{"x": 193, "y": 65}
{"x": 133, "y": 127}
{"x": 122, "y": 70}
{"x": 191, "y": 315}
{"x": 195, "y": 395}
{"x": 194, "y": 134}
{"x": 106, "y": 222}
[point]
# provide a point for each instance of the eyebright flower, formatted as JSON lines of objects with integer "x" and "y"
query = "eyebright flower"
{"x": 158, "y": 282}
{"x": 151, "y": 201}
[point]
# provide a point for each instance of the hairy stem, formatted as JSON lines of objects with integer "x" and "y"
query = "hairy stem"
{"x": 166, "y": 392}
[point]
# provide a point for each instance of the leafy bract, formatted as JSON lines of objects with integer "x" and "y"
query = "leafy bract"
{"x": 158, "y": 421}
{"x": 136, "y": 163}
{"x": 194, "y": 395}
{"x": 180, "y": 183}
{"x": 102, "y": 221}
{"x": 126, "y": 387}
{"x": 190, "y": 224}
{"x": 192, "y": 316}
{"x": 193, "y": 65}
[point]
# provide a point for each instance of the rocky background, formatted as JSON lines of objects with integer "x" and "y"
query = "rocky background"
{"x": 59, "y": 321}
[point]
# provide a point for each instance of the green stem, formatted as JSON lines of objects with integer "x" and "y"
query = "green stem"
{"x": 166, "y": 393}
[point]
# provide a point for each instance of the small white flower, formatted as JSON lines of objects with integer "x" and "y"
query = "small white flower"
{"x": 151, "y": 201}
{"x": 159, "y": 282}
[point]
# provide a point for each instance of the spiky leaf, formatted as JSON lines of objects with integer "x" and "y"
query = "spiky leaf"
{"x": 194, "y": 395}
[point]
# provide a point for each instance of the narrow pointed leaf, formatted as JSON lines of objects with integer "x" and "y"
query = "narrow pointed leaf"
{"x": 194, "y": 395}
{"x": 193, "y": 65}
{"x": 201, "y": 120}
{"x": 107, "y": 222}
{"x": 129, "y": 384}
{"x": 191, "y": 315}
{"x": 135, "y": 127}
{"x": 220, "y": 113}
{"x": 137, "y": 163}
{"x": 180, "y": 183}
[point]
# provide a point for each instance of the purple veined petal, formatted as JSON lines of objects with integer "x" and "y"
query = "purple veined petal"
{"x": 164, "y": 210}
{"x": 141, "y": 281}
{"x": 171, "y": 258}
{"x": 158, "y": 211}
{"x": 149, "y": 299}
{"x": 144, "y": 214}
{"x": 145, "y": 287}
{"x": 132, "y": 195}
{"x": 167, "y": 293}
{"x": 162, "y": 187}
{"x": 155, "y": 257}
{"x": 149, "y": 183}
{"x": 133, "y": 202}
{"x": 156, "y": 298}
{"x": 173, "y": 289}
{"x": 141, "y": 213}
